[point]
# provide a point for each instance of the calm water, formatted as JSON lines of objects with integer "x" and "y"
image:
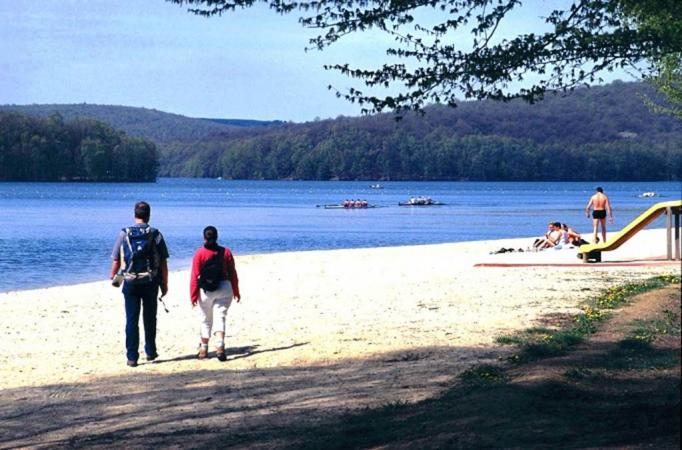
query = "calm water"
{"x": 62, "y": 233}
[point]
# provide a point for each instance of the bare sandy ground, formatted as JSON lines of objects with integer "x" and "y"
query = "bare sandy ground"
{"x": 316, "y": 333}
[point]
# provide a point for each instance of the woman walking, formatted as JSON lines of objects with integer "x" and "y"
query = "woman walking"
{"x": 214, "y": 272}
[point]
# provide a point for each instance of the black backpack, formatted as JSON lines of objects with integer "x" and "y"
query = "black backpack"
{"x": 211, "y": 273}
{"x": 140, "y": 255}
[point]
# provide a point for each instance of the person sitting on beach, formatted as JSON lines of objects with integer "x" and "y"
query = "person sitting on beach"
{"x": 551, "y": 238}
{"x": 572, "y": 237}
{"x": 218, "y": 294}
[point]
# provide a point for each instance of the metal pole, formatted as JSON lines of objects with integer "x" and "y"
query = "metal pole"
{"x": 677, "y": 233}
{"x": 669, "y": 232}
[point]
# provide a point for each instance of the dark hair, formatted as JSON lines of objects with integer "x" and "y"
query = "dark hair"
{"x": 557, "y": 224}
{"x": 599, "y": 189}
{"x": 142, "y": 211}
{"x": 210, "y": 237}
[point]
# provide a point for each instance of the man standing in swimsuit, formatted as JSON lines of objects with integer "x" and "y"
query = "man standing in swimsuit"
{"x": 601, "y": 206}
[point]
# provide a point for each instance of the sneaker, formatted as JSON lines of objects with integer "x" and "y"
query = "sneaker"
{"x": 203, "y": 352}
{"x": 220, "y": 354}
{"x": 131, "y": 363}
{"x": 152, "y": 357}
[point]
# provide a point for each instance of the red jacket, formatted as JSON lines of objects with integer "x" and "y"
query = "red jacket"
{"x": 200, "y": 257}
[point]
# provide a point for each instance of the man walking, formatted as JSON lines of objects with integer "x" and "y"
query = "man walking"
{"x": 140, "y": 258}
{"x": 601, "y": 206}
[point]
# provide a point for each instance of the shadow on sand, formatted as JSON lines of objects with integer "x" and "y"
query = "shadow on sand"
{"x": 359, "y": 404}
{"x": 232, "y": 353}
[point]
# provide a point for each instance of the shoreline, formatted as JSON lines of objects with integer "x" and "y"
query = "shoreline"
{"x": 485, "y": 257}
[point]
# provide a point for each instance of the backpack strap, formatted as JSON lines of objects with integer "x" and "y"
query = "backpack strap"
{"x": 219, "y": 257}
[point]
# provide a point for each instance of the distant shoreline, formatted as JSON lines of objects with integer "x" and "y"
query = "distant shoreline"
{"x": 481, "y": 250}
{"x": 337, "y": 180}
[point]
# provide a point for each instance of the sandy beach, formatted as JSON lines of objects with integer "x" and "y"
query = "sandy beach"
{"x": 316, "y": 333}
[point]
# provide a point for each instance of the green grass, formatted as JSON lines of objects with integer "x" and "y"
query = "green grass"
{"x": 648, "y": 330}
{"x": 484, "y": 375}
{"x": 539, "y": 342}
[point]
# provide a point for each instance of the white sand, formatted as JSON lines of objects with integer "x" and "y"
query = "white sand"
{"x": 401, "y": 321}
{"x": 339, "y": 304}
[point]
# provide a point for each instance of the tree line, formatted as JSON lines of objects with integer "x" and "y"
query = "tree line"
{"x": 603, "y": 133}
{"x": 349, "y": 156}
{"x": 50, "y": 149}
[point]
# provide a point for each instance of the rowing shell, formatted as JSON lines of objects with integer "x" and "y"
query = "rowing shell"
{"x": 346, "y": 207}
{"x": 422, "y": 204}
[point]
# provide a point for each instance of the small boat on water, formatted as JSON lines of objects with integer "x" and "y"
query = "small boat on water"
{"x": 420, "y": 201}
{"x": 348, "y": 207}
{"x": 350, "y": 204}
{"x": 376, "y": 186}
{"x": 648, "y": 194}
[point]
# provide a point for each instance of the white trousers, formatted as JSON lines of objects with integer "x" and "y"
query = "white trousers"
{"x": 212, "y": 309}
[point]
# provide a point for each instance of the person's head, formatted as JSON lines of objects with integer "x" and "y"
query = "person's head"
{"x": 557, "y": 225}
{"x": 210, "y": 237}
{"x": 599, "y": 189}
{"x": 143, "y": 211}
{"x": 564, "y": 227}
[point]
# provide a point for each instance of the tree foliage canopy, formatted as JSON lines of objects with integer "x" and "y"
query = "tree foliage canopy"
{"x": 427, "y": 63}
{"x": 666, "y": 76}
{"x": 49, "y": 149}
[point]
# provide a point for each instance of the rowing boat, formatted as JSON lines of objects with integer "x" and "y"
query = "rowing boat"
{"x": 420, "y": 204}
{"x": 347, "y": 207}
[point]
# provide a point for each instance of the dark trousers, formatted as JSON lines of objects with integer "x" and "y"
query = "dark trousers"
{"x": 141, "y": 296}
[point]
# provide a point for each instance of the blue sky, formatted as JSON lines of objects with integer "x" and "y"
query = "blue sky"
{"x": 250, "y": 64}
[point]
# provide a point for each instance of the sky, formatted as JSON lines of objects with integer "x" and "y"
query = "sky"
{"x": 251, "y": 64}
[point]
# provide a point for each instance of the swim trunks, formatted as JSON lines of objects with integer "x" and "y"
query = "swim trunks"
{"x": 599, "y": 214}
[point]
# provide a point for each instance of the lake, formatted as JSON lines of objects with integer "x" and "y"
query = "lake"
{"x": 63, "y": 233}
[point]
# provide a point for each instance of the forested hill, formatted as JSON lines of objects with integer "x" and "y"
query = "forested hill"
{"x": 49, "y": 149}
{"x": 601, "y": 133}
{"x": 146, "y": 123}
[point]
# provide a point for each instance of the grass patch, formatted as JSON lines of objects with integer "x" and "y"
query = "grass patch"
{"x": 484, "y": 375}
{"x": 648, "y": 330}
{"x": 637, "y": 354}
{"x": 579, "y": 373}
{"x": 618, "y": 295}
{"x": 540, "y": 342}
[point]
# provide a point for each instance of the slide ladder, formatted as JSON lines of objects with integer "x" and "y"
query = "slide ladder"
{"x": 592, "y": 252}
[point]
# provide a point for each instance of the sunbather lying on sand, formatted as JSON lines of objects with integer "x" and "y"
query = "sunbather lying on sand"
{"x": 572, "y": 237}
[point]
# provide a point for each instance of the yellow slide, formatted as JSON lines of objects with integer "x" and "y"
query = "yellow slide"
{"x": 630, "y": 230}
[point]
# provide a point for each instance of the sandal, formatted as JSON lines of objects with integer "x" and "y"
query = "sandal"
{"x": 220, "y": 354}
{"x": 203, "y": 352}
